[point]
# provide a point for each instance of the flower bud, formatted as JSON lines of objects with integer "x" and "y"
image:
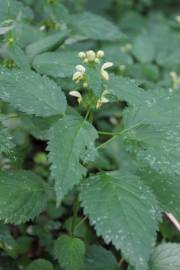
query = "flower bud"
{"x": 100, "y": 54}
{"x": 82, "y": 55}
{"x": 91, "y": 55}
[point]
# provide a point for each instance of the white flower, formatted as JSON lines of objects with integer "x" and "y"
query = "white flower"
{"x": 90, "y": 55}
{"x": 79, "y": 74}
{"x": 76, "y": 94}
{"x": 104, "y": 73}
{"x": 100, "y": 54}
{"x": 102, "y": 100}
{"x": 82, "y": 55}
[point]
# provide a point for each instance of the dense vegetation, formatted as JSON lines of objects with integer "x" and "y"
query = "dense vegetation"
{"x": 90, "y": 135}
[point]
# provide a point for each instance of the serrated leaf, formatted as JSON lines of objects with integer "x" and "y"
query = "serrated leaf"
{"x": 31, "y": 93}
{"x": 95, "y": 27}
{"x": 70, "y": 139}
{"x": 125, "y": 89}
{"x": 6, "y": 143}
{"x": 166, "y": 257}
{"x": 56, "y": 64}
{"x": 98, "y": 258}
{"x": 70, "y": 252}
{"x": 40, "y": 264}
{"x": 124, "y": 212}
{"x": 23, "y": 195}
{"x": 155, "y": 137}
{"x": 46, "y": 43}
{"x": 165, "y": 187}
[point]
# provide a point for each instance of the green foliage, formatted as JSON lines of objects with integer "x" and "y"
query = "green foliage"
{"x": 70, "y": 139}
{"x": 86, "y": 25}
{"x": 70, "y": 252}
{"x": 46, "y": 43}
{"x": 33, "y": 95}
{"x": 111, "y": 201}
{"x": 56, "y": 64}
{"x": 23, "y": 195}
{"x": 6, "y": 143}
{"x": 165, "y": 257}
{"x": 40, "y": 264}
{"x": 98, "y": 258}
{"x": 89, "y": 134}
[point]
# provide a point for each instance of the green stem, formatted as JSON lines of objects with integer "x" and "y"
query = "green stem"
{"x": 81, "y": 222}
{"x": 75, "y": 214}
{"x": 117, "y": 134}
{"x": 91, "y": 117}
{"x": 107, "y": 133}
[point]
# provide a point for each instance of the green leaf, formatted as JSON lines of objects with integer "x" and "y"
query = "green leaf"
{"x": 27, "y": 34}
{"x": 57, "y": 11}
{"x": 70, "y": 140}
{"x": 143, "y": 49}
{"x": 23, "y": 195}
{"x": 124, "y": 212}
{"x": 98, "y": 258}
{"x": 9, "y": 9}
{"x": 38, "y": 127}
{"x": 46, "y": 43}
{"x": 165, "y": 187}
{"x": 143, "y": 71}
{"x": 31, "y": 93}
{"x": 114, "y": 54}
{"x": 166, "y": 257}
{"x": 56, "y": 64}
{"x": 153, "y": 132}
{"x": 95, "y": 27}
{"x": 6, "y": 143}
{"x": 19, "y": 57}
{"x": 70, "y": 252}
{"x": 40, "y": 264}
{"x": 125, "y": 89}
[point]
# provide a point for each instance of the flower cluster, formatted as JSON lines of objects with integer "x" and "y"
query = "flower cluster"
{"x": 90, "y": 57}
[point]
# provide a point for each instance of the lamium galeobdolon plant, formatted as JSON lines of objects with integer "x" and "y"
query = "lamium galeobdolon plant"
{"x": 89, "y": 140}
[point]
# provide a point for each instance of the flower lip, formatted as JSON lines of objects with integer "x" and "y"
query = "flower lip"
{"x": 76, "y": 94}
{"x": 80, "y": 68}
{"x": 106, "y": 65}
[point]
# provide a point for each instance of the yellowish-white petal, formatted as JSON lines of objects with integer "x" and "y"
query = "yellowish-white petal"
{"x": 80, "y": 68}
{"x": 107, "y": 65}
{"x": 82, "y": 55}
{"x": 90, "y": 55}
{"x": 100, "y": 54}
{"x": 104, "y": 75}
{"x": 76, "y": 94}
{"x": 77, "y": 76}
